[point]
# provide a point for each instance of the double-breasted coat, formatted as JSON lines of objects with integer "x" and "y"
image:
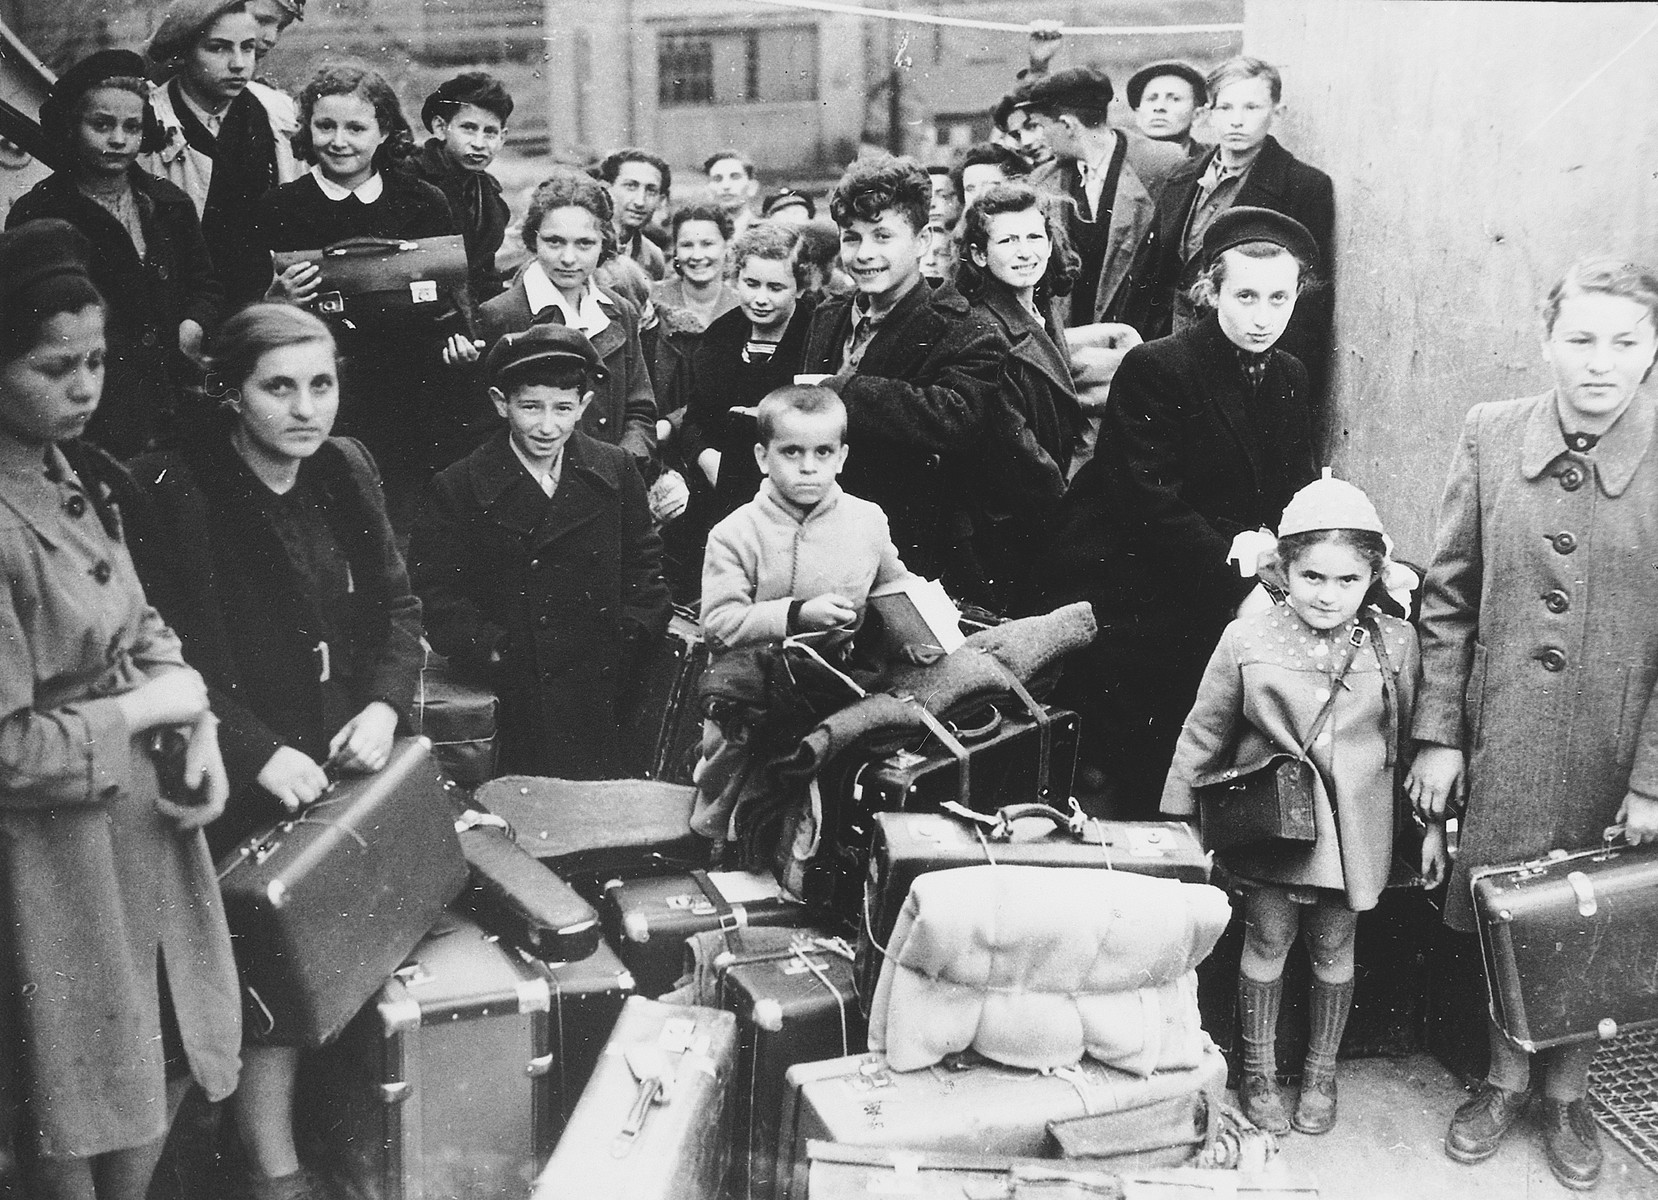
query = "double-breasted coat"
{"x": 1189, "y": 456}
{"x": 623, "y": 411}
{"x": 918, "y": 399}
{"x": 1539, "y": 630}
{"x": 1261, "y": 695}
{"x": 98, "y": 888}
{"x": 568, "y": 591}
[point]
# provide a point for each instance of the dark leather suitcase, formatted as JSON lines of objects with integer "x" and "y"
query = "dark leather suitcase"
{"x": 323, "y": 906}
{"x": 664, "y": 730}
{"x": 460, "y": 720}
{"x": 377, "y": 281}
{"x": 1005, "y": 767}
{"x": 455, "y": 1082}
{"x": 908, "y": 845}
{"x": 794, "y": 1005}
{"x": 617, "y": 1148}
{"x": 516, "y": 898}
{"x": 977, "y": 1107}
{"x": 1570, "y": 943}
{"x": 649, "y": 919}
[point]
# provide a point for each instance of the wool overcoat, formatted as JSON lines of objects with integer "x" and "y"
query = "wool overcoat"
{"x": 98, "y": 889}
{"x": 568, "y": 590}
{"x": 1539, "y": 630}
{"x": 918, "y": 398}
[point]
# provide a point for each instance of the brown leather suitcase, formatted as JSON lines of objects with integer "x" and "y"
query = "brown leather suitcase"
{"x": 1570, "y": 942}
{"x": 516, "y": 898}
{"x": 377, "y": 281}
{"x": 460, "y": 718}
{"x": 627, "y": 1140}
{"x": 324, "y": 905}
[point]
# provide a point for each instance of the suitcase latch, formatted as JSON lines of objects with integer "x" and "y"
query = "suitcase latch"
{"x": 332, "y": 303}
{"x": 539, "y": 1066}
{"x": 1584, "y": 889}
{"x": 396, "y": 1093}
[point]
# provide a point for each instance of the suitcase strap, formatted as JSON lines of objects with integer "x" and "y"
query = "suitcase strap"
{"x": 941, "y": 731}
{"x": 1038, "y": 713}
{"x": 729, "y": 917}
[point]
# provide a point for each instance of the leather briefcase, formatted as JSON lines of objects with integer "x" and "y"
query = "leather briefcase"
{"x": 323, "y": 906}
{"x": 1270, "y": 801}
{"x": 383, "y": 280}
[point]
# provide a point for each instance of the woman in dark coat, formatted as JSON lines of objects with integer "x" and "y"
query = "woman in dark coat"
{"x": 268, "y": 549}
{"x": 148, "y": 256}
{"x": 1013, "y": 260}
{"x": 116, "y": 976}
{"x": 1206, "y": 437}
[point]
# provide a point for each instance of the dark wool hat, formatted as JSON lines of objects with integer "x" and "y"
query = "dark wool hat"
{"x": 1238, "y": 225}
{"x": 181, "y": 24}
{"x": 1074, "y": 87}
{"x": 446, "y": 101}
{"x": 1137, "y": 81}
{"x": 783, "y": 197}
{"x": 57, "y": 110}
{"x": 35, "y": 252}
{"x": 543, "y": 344}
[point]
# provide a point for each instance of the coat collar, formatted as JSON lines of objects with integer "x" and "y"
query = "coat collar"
{"x": 1615, "y": 458}
{"x": 1032, "y": 342}
{"x": 512, "y": 499}
{"x": 1268, "y": 174}
{"x": 1225, "y": 386}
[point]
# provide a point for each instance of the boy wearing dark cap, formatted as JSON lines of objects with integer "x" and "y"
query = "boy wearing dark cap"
{"x": 467, "y": 117}
{"x": 539, "y": 565}
{"x": 225, "y": 138}
{"x": 1113, "y": 178}
{"x": 787, "y": 206}
{"x": 1166, "y": 97}
{"x": 916, "y": 369}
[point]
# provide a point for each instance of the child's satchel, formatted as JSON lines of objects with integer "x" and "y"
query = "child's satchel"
{"x": 1270, "y": 800}
{"x": 380, "y": 281}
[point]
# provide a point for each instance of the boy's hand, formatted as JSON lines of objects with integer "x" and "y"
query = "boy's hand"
{"x": 364, "y": 742}
{"x": 1435, "y": 780}
{"x": 461, "y": 349}
{"x": 668, "y": 496}
{"x": 1044, "y": 44}
{"x": 293, "y": 777}
{"x": 827, "y": 612}
{"x": 1639, "y": 817}
{"x": 1434, "y": 857}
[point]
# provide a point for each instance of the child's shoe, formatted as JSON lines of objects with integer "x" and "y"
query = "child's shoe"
{"x": 1315, "y": 1111}
{"x": 1263, "y": 1103}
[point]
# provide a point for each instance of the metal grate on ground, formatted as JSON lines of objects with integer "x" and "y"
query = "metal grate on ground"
{"x": 1623, "y": 1088}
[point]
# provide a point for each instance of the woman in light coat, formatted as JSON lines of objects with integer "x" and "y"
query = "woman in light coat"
{"x": 1540, "y": 647}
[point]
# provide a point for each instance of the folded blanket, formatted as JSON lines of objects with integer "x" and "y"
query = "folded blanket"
{"x": 1038, "y": 966}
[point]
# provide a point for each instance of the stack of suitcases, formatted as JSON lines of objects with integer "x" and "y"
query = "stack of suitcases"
{"x": 598, "y": 1013}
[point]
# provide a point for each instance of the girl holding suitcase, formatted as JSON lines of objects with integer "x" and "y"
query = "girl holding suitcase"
{"x": 268, "y": 548}
{"x": 115, "y": 963}
{"x": 1324, "y": 679}
{"x": 1539, "y": 639}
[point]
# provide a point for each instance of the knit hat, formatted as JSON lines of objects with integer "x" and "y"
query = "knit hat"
{"x": 1329, "y": 503}
{"x": 56, "y": 111}
{"x": 181, "y": 24}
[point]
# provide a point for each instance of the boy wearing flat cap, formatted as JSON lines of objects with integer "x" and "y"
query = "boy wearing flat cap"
{"x": 1166, "y": 97}
{"x": 467, "y": 117}
{"x": 539, "y": 565}
{"x": 225, "y": 138}
{"x": 1112, "y": 177}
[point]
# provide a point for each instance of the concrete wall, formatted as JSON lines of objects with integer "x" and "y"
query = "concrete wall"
{"x": 1476, "y": 149}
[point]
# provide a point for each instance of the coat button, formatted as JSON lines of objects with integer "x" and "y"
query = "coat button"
{"x": 1552, "y": 659}
{"x": 1564, "y": 543}
{"x": 1571, "y": 478}
{"x": 75, "y": 506}
{"x": 1556, "y": 601}
{"x": 163, "y": 272}
{"x": 149, "y": 338}
{"x": 603, "y": 421}
{"x": 102, "y": 571}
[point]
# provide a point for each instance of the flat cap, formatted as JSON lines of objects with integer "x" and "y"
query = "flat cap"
{"x": 1136, "y": 86}
{"x": 1074, "y": 87}
{"x": 182, "y": 22}
{"x": 783, "y": 197}
{"x": 1241, "y": 224}
{"x": 36, "y": 251}
{"x": 543, "y": 344}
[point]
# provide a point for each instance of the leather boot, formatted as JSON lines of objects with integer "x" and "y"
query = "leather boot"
{"x": 1315, "y": 1112}
{"x": 1258, "y": 1093}
{"x": 1572, "y": 1143}
{"x": 1482, "y": 1122}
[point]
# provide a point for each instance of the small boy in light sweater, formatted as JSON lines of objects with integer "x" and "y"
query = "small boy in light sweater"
{"x": 800, "y": 557}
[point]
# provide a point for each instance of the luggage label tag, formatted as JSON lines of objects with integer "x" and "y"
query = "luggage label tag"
{"x": 423, "y": 291}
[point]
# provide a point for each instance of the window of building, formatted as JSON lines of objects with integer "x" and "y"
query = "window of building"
{"x": 737, "y": 66}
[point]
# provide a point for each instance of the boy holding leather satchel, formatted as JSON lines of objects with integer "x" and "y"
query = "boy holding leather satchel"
{"x": 1290, "y": 757}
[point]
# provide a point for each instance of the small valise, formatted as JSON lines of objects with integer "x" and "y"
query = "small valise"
{"x": 377, "y": 280}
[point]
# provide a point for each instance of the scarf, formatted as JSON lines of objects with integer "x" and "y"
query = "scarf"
{"x": 244, "y": 169}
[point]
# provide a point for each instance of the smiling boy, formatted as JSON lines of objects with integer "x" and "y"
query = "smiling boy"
{"x": 914, "y": 367}
{"x": 538, "y": 563}
{"x": 639, "y": 184}
{"x": 225, "y": 137}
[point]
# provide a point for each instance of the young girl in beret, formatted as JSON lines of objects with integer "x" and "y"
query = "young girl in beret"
{"x": 1323, "y": 677}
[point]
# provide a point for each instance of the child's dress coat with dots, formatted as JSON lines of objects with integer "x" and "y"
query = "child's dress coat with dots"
{"x": 1263, "y": 689}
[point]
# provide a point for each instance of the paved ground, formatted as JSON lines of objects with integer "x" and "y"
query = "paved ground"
{"x": 1389, "y": 1145}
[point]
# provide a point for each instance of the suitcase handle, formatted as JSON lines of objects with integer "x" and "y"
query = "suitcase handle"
{"x": 367, "y": 247}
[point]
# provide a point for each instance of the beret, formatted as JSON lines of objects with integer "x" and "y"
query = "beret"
{"x": 1078, "y": 87}
{"x": 182, "y": 22}
{"x": 1137, "y": 82}
{"x": 36, "y": 251}
{"x": 546, "y": 344}
{"x": 784, "y": 197}
{"x": 1241, "y": 224}
{"x": 80, "y": 79}
{"x": 1329, "y": 503}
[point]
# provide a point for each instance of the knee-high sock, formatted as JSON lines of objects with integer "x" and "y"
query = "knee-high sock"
{"x": 1258, "y": 1004}
{"x": 1331, "y": 1002}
